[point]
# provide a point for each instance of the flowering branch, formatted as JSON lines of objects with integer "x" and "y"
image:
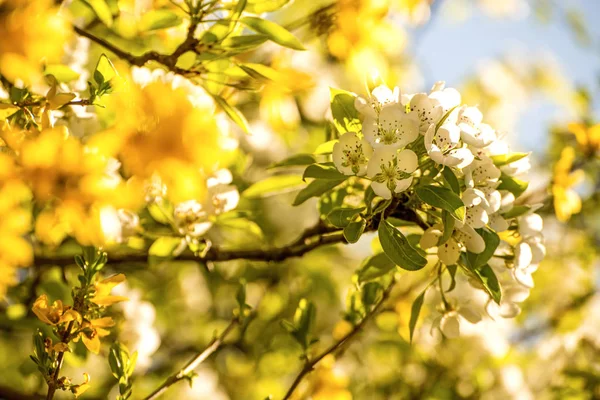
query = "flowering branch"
{"x": 309, "y": 365}
{"x": 312, "y": 238}
{"x": 189, "y": 368}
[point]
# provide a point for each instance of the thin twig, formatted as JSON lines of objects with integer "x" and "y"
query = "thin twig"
{"x": 194, "y": 362}
{"x": 52, "y": 385}
{"x": 310, "y": 364}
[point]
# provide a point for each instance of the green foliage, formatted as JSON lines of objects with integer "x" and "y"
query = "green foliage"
{"x": 273, "y": 31}
{"x": 316, "y": 188}
{"x": 443, "y": 198}
{"x": 345, "y": 116}
{"x": 398, "y": 249}
{"x": 122, "y": 366}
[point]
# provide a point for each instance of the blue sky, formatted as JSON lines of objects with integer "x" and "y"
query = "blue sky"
{"x": 450, "y": 51}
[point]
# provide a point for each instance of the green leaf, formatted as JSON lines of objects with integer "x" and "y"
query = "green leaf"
{"x": 374, "y": 267}
{"x": 316, "y": 188}
{"x": 273, "y": 31}
{"x": 504, "y": 159}
{"x": 322, "y": 171}
{"x": 451, "y": 179}
{"x": 513, "y": 185}
{"x": 326, "y": 148}
{"x": 240, "y": 295}
{"x": 261, "y": 6}
{"x": 490, "y": 282}
{"x": 415, "y": 310}
{"x": 293, "y": 161}
{"x": 61, "y": 72}
{"x": 303, "y": 321}
{"x": 449, "y": 223}
{"x": 104, "y": 71}
{"x": 260, "y": 72}
{"x": 443, "y": 198}
{"x": 165, "y": 246}
{"x": 246, "y": 42}
{"x": 354, "y": 230}
{"x": 516, "y": 211}
{"x": 444, "y": 118}
{"x": 492, "y": 241}
{"x": 371, "y": 292}
{"x": 159, "y": 19}
{"x": 102, "y": 10}
{"x": 233, "y": 113}
{"x": 341, "y": 217}
{"x": 345, "y": 115}
{"x": 273, "y": 185}
{"x": 159, "y": 213}
{"x": 398, "y": 249}
{"x": 452, "y": 271}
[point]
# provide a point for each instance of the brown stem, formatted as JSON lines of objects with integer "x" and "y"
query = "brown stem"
{"x": 194, "y": 362}
{"x": 310, "y": 364}
{"x": 52, "y": 385}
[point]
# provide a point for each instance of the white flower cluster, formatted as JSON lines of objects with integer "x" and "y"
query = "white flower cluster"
{"x": 453, "y": 136}
{"x": 194, "y": 218}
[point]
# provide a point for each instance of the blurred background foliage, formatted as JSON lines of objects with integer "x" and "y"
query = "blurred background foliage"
{"x": 532, "y": 67}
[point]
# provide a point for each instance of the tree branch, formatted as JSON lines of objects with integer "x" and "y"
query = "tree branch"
{"x": 312, "y": 238}
{"x": 194, "y": 362}
{"x": 310, "y": 364}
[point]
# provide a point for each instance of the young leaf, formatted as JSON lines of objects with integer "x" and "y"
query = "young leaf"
{"x": 233, "y": 113}
{"x": 451, "y": 179}
{"x": 452, "y": 271}
{"x": 513, "y": 185}
{"x": 370, "y": 293}
{"x": 504, "y": 159}
{"x": 398, "y": 249}
{"x": 492, "y": 241}
{"x": 273, "y": 185}
{"x": 104, "y": 71}
{"x": 294, "y": 161}
{"x": 443, "y": 198}
{"x": 345, "y": 115}
{"x": 415, "y": 310}
{"x": 325, "y": 148}
{"x": 322, "y": 171}
{"x": 102, "y": 10}
{"x": 341, "y": 217}
{"x": 245, "y": 42}
{"x": 354, "y": 230}
{"x": 273, "y": 31}
{"x": 261, "y": 6}
{"x": 373, "y": 267}
{"x": 159, "y": 19}
{"x": 449, "y": 223}
{"x": 315, "y": 189}
{"x": 490, "y": 282}
{"x": 303, "y": 321}
{"x": 516, "y": 211}
{"x": 165, "y": 246}
{"x": 260, "y": 72}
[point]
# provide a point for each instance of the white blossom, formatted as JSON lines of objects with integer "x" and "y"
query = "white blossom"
{"x": 351, "y": 154}
{"x": 390, "y": 170}
{"x": 393, "y": 126}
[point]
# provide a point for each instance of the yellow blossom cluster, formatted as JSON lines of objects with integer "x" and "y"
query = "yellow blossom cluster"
{"x": 72, "y": 182}
{"x": 566, "y": 201}
{"x": 363, "y": 35}
{"x": 588, "y": 137}
{"x": 32, "y": 33}
{"x": 15, "y": 223}
{"x": 159, "y": 131}
{"x": 89, "y": 330}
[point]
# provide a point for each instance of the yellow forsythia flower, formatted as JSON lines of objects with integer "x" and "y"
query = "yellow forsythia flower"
{"x": 102, "y": 297}
{"x": 32, "y": 32}
{"x": 566, "y": 201}
{"x": 159, "y": 131}
{"x": 588, "y": 137}
{"x": 15, "y": 223}
{"x": 54, "y": 314}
